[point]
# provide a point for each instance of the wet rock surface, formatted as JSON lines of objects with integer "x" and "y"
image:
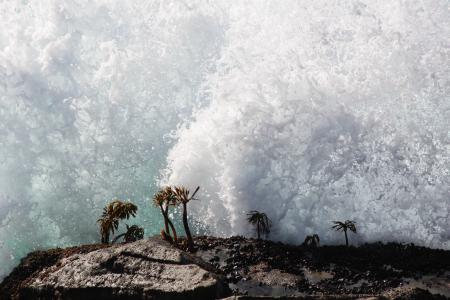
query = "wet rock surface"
{"x": 265, "y": 268}
{"x": 236, "y": 267}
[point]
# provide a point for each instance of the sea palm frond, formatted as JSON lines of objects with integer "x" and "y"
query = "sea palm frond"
{"x": 312, "y": 241}
{"x": 351, "y": 225}
{"x": 338, "y": 226}
{"x": 134, "y": 233}
{"x": 261, "y": 222}
{"x": 253, "y": 216}
{"x": 164, "y": 196}
{"x": 112, "y": 213}
{"x": 344, "y": 226}
{"x": 181, "y": 194}
{"x": 123, "y": 210}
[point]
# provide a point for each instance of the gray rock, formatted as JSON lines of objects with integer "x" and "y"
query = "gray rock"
{"x": 146, "y": 269}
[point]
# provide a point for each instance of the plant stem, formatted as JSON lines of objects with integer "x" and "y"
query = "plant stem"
{"x": 258, "y": 230}
{"x": 166, "y": 223}
{"x": 105, "y": 238}
{"x": 186, "y": 228}
{"x": 118, "y": 237}
{"x": 175, "y": 237}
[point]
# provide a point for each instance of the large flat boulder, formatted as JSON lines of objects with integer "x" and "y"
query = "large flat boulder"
{"x": 146, "y": 269}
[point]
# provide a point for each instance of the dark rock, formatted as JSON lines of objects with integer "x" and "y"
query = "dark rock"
{"x": 157, "y": 270}
{"x": 412, "y": 294}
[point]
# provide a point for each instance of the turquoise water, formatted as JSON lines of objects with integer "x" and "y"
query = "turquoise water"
{"x": 310, "y": 111}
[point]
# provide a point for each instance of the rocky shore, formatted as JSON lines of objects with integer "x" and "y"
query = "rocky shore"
{"x": 266, "y": 268}
{"x": 236, "y": 267}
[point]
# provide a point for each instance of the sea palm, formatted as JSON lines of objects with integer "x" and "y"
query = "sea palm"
{"x": 344, "y": 226}
{"x": 132, "y": 234}
{"x": 312, "y": 241}
{"x": 260, "y": 221}
{"x": 112, "y": 214}
{"x": 164, "y": 199}
{"x": 183, "y": 197}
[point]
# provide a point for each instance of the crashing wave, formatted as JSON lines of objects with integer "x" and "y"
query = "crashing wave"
{"x": 308, "y": 110}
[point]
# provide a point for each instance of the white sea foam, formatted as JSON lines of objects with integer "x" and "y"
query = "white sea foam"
{"x": 326, "y": 110}
{"x": 89, "y": 93}
{"x": 308, "y": 110}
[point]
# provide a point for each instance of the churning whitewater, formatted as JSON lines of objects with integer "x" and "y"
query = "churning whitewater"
{"x": 311, "y": 111}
